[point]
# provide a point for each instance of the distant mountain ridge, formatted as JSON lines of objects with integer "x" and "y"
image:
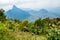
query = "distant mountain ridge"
{"x": 16, "y": 13}
{"x": 42, "y": 13}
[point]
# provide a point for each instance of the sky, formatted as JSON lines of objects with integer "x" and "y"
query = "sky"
{"x": 32, "y": 4}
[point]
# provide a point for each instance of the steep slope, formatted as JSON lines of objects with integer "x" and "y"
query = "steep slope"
{"x": 16, "y": 13}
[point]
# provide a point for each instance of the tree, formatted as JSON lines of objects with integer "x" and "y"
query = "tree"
{"x": 39, "y": 26}
{"x": 24, "y": 25}
{"x": 39, "y": 22}
{"x": 24, "y": 22}
{"x": 2, "y": 15}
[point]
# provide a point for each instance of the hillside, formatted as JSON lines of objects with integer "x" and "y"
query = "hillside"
{"x": 16, "y": 13}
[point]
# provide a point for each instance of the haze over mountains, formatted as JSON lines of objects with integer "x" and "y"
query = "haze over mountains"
{"x": 16, "y": 13}
{"x": 43, "y": 13}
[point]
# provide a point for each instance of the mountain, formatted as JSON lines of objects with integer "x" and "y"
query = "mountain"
{"x": 16, "y": 13}
{"x": 42, "y": 13}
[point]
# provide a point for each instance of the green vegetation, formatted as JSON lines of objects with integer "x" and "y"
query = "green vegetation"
{"x": 40, "y": 29}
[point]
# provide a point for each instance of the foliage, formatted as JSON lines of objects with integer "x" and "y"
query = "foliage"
{"x": 2, "y": 16}
{"x": 48, "y": 27}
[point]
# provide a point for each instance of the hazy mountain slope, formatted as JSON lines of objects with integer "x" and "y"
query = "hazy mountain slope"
{"x": 42, "y": 13}
{"x": 16, "y": 13}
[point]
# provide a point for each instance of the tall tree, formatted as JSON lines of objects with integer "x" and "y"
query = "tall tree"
{"x": 2, "y": 15}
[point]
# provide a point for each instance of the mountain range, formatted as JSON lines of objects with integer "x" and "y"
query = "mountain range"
{"x": 17, "y": 13}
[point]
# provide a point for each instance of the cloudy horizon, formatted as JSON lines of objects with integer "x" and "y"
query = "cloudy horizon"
{"x": 32, "y": 4}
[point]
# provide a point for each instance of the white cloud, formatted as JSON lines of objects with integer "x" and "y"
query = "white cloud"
{"x": 38, "y": 3}
{"x": 6, "y": 1}
{"x": 29, "y": 3}
{"x": 6, "y": 7}
{"x": 6, "y": 4}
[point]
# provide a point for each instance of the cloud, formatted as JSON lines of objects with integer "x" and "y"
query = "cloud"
{"x": 6, "y": 4}
{"x": 6, "y": 1}
{"x": 34, "y": 4}
{"x": 38, "y": 3}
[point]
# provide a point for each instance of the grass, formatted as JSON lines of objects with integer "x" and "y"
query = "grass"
{"x": 28, "y": 36}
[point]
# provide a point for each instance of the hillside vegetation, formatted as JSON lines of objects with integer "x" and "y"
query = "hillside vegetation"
{"x": 40, "y": 29}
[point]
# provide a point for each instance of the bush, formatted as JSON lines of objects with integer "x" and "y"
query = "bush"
{"x": 54, "y": 34}
{"x": 4, "y": 33}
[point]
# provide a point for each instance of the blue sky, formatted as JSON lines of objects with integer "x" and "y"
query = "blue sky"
{"x": 33, "y": 4}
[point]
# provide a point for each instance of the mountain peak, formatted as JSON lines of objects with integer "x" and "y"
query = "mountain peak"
{"x": 43, "y": 11}
{"x": 14, "y": 7}
{"x": 17, "y": 13}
